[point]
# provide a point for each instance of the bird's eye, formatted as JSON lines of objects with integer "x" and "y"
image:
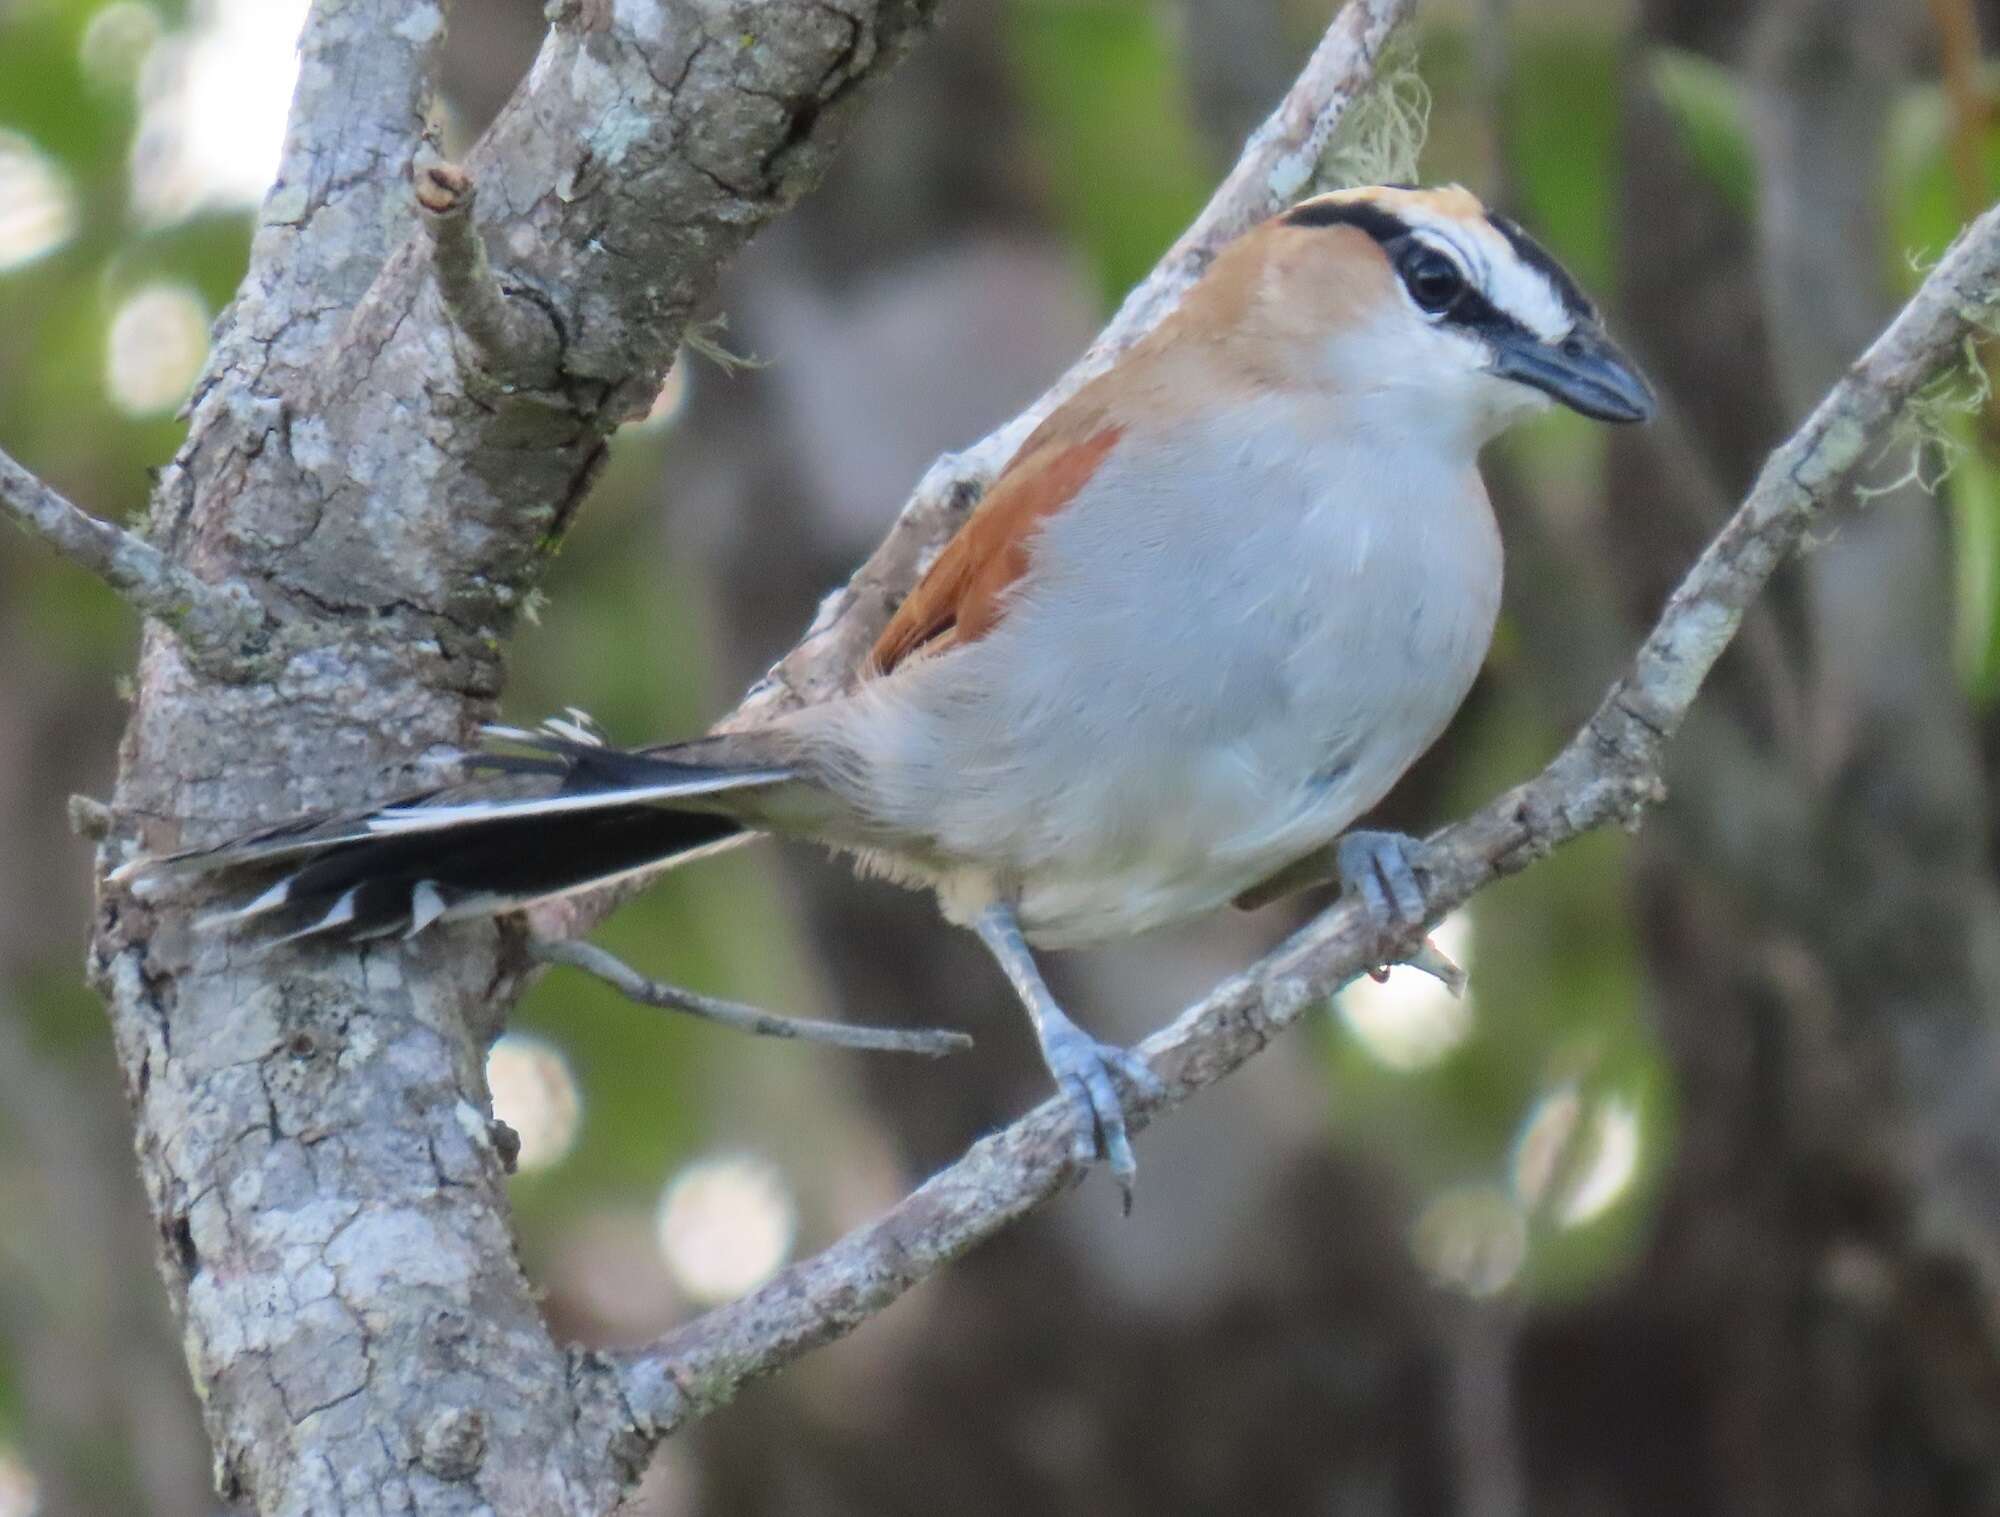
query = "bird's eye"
{"x": 1432, "y": 278}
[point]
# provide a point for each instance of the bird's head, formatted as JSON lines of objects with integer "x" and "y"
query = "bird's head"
{"x": 1427, "y": 302}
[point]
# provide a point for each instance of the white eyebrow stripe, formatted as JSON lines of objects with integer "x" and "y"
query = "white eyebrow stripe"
{"x": 1514, "y": 288}
{"x": 1525, "y": 293}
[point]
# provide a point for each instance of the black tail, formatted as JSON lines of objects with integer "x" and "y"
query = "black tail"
{"x": 564, "y": 815}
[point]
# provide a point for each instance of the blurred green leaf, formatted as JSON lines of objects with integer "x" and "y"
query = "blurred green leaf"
{"x": 1926, "y": 213}
{"x": 1974, "y": 490}
{"x": 1555, "y": 995}
{"x": 1562, "y": 141}
{"x": 1105, "y": 95}
{"x": 1706, "y": 103}
{"x": 45, "y": 94}
{"x": 646, "y": 1077}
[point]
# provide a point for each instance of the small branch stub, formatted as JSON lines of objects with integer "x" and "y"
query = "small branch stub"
{"x": 208, "y": 617}
{"x": 509, "y": 341}
{"x": 455, "y": 1443}
{"x": 90, "y": 819}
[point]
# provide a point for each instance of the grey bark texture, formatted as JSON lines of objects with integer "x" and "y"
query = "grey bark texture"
{"x": 373, "y": 461}
{"x": 313, "y": 1134}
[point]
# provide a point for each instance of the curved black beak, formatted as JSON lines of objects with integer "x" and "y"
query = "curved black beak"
{"x": 1585, "y": 371}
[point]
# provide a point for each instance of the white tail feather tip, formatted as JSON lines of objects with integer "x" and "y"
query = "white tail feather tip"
{"x": 426, "y": 906}
{"x": 338, "y": 915}
{"x": 270, "y": 900}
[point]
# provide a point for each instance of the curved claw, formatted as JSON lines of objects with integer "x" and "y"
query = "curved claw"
{"x": 1084, "y": 1140}
{"x": 1088, "y": 1071}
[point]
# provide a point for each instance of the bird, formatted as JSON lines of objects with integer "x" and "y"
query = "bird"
{"x": 1214, "y": 607}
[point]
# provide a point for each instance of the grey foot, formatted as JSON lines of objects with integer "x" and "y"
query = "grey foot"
{"x": 1379, "y": 868}
{"x": 1087, "y": 1073}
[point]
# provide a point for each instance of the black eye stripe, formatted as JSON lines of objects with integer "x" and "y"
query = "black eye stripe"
{"x": 1364, "y": 215}
{"x": 1386, "y": 227}
{"x": 1473, "y": 312}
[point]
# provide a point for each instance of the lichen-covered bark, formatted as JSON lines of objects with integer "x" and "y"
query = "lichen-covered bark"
{"x": 312, "y": 1130}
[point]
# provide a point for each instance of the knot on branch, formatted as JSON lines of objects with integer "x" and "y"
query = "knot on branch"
{"x": 508, "y": 339}
{"x": 454, "y": 1443}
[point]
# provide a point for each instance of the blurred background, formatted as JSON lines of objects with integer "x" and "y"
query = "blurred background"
{"x": 1691, "y": 1206}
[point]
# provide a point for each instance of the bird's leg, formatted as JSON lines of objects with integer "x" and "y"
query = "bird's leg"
{"x": 1379, "y": 869}
{"x": 1084, "y": 1068}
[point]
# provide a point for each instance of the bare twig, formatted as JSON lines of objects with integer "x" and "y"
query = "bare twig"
{"x": 513, "y": 342}
{"x": 1609, "y": 772}
{"x": 932, "y": 1043}
{"x": 340, "y": 463}
{"x": 207, "y": 615}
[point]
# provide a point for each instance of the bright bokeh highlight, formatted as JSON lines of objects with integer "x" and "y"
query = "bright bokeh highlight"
{"x": 212, "y": 108}
{"x": 37, "y": 204}
{"x": 1472, "y": 1239}
{"x": 1573, "y": 1158}
{"x": 156, "y": 346}
{"x": 726, "y": 1223}
{"x": 535, "y": 1093}
{"x": 20, "y": 1492}
{"x": 120, "y": 38}
{"x": 1410, "y": 1021}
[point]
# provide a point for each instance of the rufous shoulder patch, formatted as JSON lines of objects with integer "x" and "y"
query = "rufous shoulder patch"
{"x": 962, "y": 596}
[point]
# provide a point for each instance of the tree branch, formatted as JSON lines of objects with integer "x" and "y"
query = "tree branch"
{"x": 513, "y": 344}
{"x": 1609, "y": 772}
{"x": 312, "y": 1132}
{"x": 622, "y": 977}
{"x": 335, "y": 209}
{"x": 207, "y": 615}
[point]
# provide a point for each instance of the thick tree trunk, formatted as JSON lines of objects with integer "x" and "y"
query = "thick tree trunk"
{"x": 312, "y": 1129}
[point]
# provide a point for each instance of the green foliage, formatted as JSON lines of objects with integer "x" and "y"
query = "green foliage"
{"x": 1706, "y": 103}
{"x": 1556, "y": 979}
{"x": 1562, "y": 143}
{"x": 55, "y": 313}
{"x": 646, "y": 1076}
{"x": 1555, "y": 1013}
{"x": 1955, "y": 419}
{"x": 1975, "y": 515}
{"x": 1104, "y": 93}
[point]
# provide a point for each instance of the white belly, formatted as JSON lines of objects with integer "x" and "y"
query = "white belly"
{"x": 1198, "y": 682}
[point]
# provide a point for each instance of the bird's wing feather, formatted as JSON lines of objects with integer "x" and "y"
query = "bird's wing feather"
{"x": 960, "y": 599}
